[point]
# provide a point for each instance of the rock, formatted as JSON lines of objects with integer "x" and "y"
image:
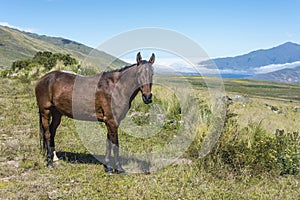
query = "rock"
{"x": 273, "y": 108}
{"x": 296, "y": 109}
{"x": 240, "y": 98}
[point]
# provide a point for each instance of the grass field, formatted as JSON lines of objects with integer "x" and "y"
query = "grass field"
{"x": 78, "y": 175}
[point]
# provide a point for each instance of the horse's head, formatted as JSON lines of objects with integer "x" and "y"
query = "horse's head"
{"x": 144, "y": 77}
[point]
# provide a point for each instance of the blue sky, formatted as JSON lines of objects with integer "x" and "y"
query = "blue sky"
{"x": 221, "y": 28}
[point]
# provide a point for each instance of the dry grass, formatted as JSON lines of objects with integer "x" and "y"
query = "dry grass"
{"x": 79, "y": 176}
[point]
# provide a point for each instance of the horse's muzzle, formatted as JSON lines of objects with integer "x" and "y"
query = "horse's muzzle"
{"x": 147, "y": 98}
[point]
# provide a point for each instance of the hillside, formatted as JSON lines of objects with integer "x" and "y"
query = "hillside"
{"x": 284, "y": 75}
{"x": 17, "y": 45}
{"x": 62, "y": 42}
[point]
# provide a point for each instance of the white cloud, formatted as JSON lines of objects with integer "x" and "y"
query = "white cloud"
{"x": 289, "y": 34}
{"x": 275, "y": 67}
{"x": 179, "y": 65}
{"x": 16, "y": 27}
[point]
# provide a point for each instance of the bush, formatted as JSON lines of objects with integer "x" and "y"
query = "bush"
{"x": 41, "y": 63}
{"x": 252, "y": 151}
{"x": 288, "y": 151}
{"x": 88, "y": 70}
{"x": 21, "y": 64}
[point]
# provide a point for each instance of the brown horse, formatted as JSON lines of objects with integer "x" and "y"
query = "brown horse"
{"x": 59, "y": 93}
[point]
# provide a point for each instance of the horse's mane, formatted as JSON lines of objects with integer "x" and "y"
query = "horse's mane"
{"x": 122, "y": 69}
{"x": 126, "y": 67}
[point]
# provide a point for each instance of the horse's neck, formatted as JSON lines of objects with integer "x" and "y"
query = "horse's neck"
{"x": 124, "y": 92}
{"x": 127, "y": 84}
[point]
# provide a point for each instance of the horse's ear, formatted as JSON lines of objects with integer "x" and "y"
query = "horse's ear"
{"x": 138, "y": 58}
{"x": 152, "y": 58}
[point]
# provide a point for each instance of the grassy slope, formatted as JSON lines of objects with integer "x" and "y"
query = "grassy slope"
{"x": 251, "y": 88}
{"x": 17, "y": 45}
{"x": 24, "y": 176}
{"x": 285, "y": 97}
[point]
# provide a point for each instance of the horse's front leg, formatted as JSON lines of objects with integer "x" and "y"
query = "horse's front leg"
{"x": 112, "y": 143}
{"x": 115, "y": 147}
{"x": 108, "y": 165}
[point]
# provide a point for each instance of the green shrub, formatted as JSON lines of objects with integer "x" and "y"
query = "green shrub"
{"x": 288, "y": 151}
{"x": 88, "y": 70}
{"x": 41, "y": 63}
{"x": 20, "y": 64}
{"x": 252, "y": 151}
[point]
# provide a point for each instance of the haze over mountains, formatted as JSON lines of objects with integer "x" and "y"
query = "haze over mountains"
{"x": 280, "y": 63}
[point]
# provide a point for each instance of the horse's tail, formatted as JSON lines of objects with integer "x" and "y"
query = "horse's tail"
{"x": 42, "y": 135}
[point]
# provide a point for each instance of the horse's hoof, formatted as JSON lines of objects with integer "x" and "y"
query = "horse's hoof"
{"x": 120, "y": 170}
{"x": 50, "y": 165}
{"x": 108, "y": 169}
{"x": 147, "y": 172}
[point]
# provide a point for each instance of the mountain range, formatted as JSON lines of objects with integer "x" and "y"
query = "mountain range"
{"x": 286, "y": 53}
{"x": 280, "y": 63}
{"x": 275, "y": 64}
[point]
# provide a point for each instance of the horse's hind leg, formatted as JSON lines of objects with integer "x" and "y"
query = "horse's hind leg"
{"x": 56, "y": 119}
{"x": 45, "y": 119}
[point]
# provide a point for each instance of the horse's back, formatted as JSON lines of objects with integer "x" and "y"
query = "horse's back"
{"x": 64, "y": 91}
{"x": 49, "y": 85}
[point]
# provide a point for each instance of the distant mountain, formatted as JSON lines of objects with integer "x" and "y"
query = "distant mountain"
{"x": 284, "y": 75}
{"x": 17, "y": 45}
{"x": 286, "y": 53}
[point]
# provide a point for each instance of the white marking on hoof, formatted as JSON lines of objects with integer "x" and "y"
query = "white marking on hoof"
{"x": 55, "y": 158}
